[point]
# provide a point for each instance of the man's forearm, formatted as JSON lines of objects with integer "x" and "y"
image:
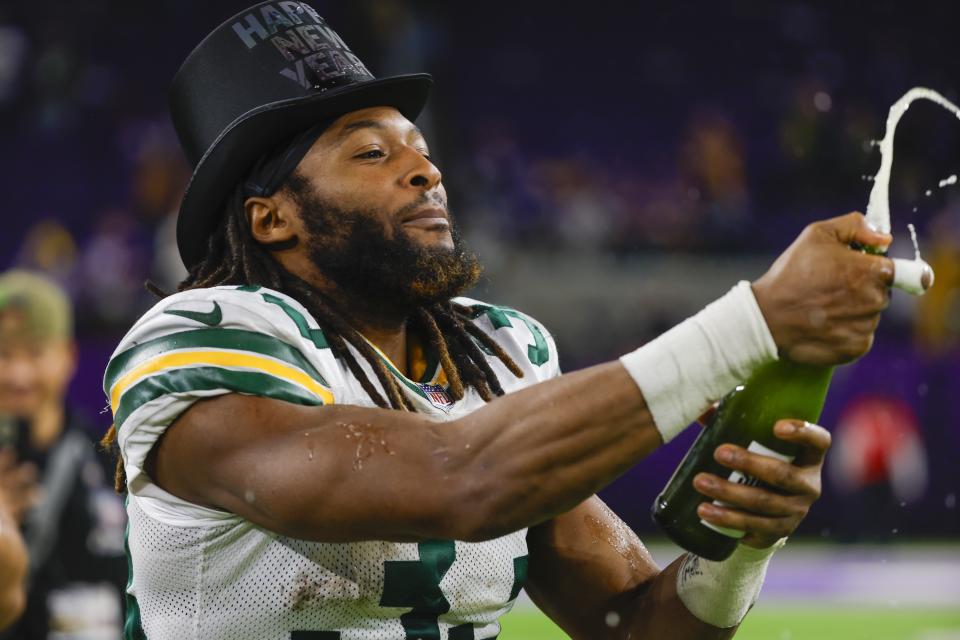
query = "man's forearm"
{"x": 583, "y": 430}
{"x": 539, "y": 452}
{"x": 656, "y": 611}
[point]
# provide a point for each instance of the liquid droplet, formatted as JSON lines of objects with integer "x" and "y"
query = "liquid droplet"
{"x": 913, "y": 238}
{"x": 612, "y": 619}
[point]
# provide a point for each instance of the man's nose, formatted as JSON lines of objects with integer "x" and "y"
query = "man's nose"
{"x": 423, "y": 174}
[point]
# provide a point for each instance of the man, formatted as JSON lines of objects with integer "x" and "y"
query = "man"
{"x": 321, "y": 440}
{"x": 13, "y": 553}
{"x": 52, "y": 473}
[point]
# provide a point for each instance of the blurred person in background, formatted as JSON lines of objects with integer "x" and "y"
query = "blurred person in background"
{"x": 13, "y": 553}
{"x": 72, "y": 523}
{"x": 879, "y": 462}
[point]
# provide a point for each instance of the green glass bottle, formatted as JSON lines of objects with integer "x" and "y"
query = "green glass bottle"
{"x": 745, "y": 417}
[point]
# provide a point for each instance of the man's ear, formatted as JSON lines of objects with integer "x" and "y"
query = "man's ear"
{"x": 272, "y": 222}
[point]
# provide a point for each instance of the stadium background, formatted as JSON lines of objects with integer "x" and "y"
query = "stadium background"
{"x": 616, "y": 167}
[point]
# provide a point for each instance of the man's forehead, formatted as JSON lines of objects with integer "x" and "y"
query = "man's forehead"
{"x": 377, "y": 118}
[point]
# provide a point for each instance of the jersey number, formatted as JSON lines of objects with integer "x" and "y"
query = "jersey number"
{"x": 416, "y": 583}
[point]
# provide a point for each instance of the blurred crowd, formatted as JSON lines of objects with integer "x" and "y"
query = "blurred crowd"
{"x": 637, "y": 159}
{"x": 609, "y": 135}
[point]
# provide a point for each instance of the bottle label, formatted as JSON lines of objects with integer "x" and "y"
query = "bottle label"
{"x": 741, "y": 478}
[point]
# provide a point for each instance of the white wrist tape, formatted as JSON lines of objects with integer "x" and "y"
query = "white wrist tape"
{"x": 685, "y": 370}
{"x": 721, "y": 593}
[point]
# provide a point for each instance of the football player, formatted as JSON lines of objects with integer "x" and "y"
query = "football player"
{"x": 321, "y": 438}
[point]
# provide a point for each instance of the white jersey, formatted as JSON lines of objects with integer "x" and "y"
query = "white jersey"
{"x": 205, "y": 574}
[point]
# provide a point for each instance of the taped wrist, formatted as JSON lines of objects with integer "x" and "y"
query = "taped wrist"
{"x": 721, "y": 593}
{"x": 697, "y": 362}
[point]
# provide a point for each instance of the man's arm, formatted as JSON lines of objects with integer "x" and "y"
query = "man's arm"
{"x": 343, "y": 473}
{"x": 346, "y": 473}
{"x": 591, "y": 574}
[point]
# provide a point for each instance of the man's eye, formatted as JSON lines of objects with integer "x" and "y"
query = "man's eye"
{"x": 372, "y": 154}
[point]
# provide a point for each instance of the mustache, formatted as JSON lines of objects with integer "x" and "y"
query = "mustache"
{"x": 424, "y": 200}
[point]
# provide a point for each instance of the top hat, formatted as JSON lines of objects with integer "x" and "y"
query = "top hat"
{"x": 259, "y": 78}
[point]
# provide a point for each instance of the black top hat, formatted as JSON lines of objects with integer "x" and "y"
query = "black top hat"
{"x": 259, "y": 78}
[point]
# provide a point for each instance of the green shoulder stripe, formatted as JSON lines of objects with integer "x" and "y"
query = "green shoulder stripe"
{"x": 207, "y": 379}
{"x": 236, "y": 339}
{"x": 538, "y": 352}
{"x": 313, "y": 335}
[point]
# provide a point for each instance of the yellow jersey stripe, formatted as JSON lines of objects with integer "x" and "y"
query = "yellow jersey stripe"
{"x": 217, "y": 359}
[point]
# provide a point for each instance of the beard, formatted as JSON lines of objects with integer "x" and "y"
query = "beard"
{"x": 377, "y": 269}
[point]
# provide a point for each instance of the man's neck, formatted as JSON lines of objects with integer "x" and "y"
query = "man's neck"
{"x": 387, "y": 331}
{"x": 381, "y": 325}
{"x": 393, "y": 344}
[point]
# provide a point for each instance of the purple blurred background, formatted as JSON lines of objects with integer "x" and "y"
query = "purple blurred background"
{"x": 615, "y": 166}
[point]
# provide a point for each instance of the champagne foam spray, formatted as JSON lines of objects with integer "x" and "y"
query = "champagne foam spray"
{"x": 913, "y": 276}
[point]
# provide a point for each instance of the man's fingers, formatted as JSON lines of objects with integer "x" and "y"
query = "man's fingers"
{"x": 853, "y": 228}
{"x": 753, "y": 499}
{"x": 781, "y": 475}
{"x": 751, "y": 524}
{"x": 814, "y": 439}
{"x": 881, "y": 269}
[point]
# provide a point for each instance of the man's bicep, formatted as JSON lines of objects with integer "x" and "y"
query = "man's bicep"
{"x": 582, "y": 564}
{"x": 326, "y": 473}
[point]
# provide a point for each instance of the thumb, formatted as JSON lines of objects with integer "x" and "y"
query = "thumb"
{"x": 853, "y": 228}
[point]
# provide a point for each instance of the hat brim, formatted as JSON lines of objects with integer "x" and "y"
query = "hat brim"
{"x": 256, "y": 132}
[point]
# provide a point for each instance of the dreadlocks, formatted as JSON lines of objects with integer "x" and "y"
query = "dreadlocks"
{"x": 234, "y": 257}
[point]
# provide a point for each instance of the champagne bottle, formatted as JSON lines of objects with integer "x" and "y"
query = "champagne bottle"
{"x": 745, "y": 417}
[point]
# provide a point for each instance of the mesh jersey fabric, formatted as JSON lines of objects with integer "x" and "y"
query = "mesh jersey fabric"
{"x": 197, "y": 572}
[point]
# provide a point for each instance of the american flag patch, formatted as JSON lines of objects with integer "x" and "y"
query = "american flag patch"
{"x": 436, "y": 394}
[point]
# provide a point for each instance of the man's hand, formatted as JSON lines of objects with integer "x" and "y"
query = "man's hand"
{"x": 18, "y": 485}
{"x": 821, "y": 299}
{"x": 767, "y": 515}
